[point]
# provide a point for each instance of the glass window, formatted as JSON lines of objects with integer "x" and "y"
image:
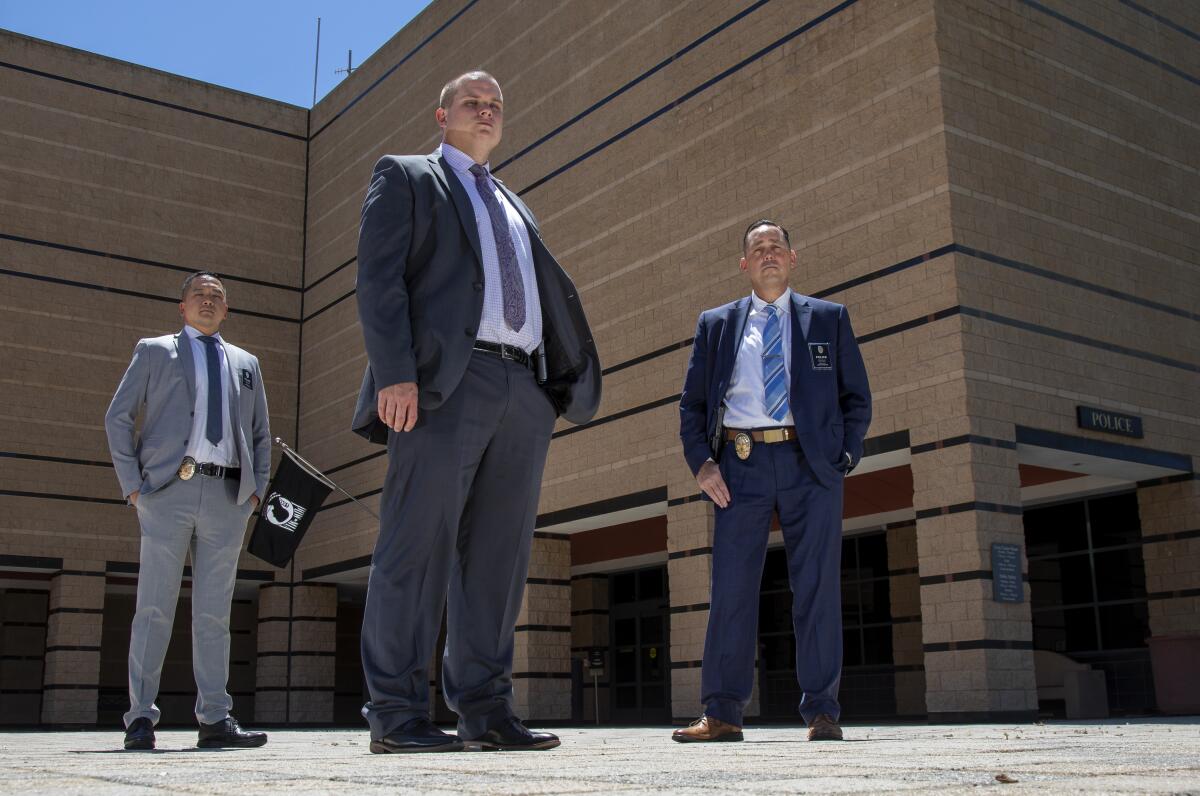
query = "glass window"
{"x": 1055, "y": 529}
{"x": 1114, "y": 520}
{"x": 624, "y": 587}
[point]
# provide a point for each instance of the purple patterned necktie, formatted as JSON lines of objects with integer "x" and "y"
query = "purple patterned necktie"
{"x": 512, "y": 286}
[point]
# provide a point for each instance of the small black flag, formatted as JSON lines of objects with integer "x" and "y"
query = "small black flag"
{"x": 293, "y": 497}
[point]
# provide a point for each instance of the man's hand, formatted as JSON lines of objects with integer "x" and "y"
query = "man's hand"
{"x": 710, "y": 480}
{"x": 255, "y": 499}
{"x": 133, "y": 496}
{"x": 398, "y": 406}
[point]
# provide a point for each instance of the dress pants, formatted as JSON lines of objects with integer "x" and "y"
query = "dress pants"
{"x": 775, "y": 478}
{"x": 202, "y": 516}
{"x": 459, "y": 505}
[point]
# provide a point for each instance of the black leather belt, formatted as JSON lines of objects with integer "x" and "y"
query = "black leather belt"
{"x": 210, "y": 470}
{"x": 517, "y": 355}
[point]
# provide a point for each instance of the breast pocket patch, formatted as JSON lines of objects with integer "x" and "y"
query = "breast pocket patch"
{"x": 819, "y": 352}
{"x": 247, "y": 379}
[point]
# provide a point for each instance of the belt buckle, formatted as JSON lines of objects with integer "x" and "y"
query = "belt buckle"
{"x": 775, "y": 435}
{"x": 187, "y": 469}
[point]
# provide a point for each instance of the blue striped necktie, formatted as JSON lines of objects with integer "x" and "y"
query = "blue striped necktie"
{"x": 775, "y": 399}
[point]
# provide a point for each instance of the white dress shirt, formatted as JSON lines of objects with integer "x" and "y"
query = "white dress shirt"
{"x": 492, "y": 327}
{"x": 199, "y": 448}
{"x": 744, "y": 407}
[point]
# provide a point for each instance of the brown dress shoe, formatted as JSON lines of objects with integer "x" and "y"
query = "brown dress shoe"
{"x": 706, "y": 728}
{"x": 824, "y": 728}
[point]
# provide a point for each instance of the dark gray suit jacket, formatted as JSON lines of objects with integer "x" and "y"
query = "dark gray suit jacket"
{"x": 420, "y": 294}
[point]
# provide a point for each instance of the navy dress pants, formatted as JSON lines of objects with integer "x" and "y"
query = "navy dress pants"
{"x": 775, "y": 478}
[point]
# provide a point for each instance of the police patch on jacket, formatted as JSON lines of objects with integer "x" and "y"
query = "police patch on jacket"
{"x": 247, "y": 379}
{"x": 820, "y": 356}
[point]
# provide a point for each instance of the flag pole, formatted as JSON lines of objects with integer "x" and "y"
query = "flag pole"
{"x": 320, "y": 476}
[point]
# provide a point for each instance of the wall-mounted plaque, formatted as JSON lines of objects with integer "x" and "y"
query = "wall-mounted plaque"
{"x": 1090, "y": 417}
{"x": 1006, "y": 573}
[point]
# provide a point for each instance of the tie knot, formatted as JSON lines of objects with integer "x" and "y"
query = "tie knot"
{"x": 770, "y": 309}
{"x": 478, "y": 170}
{"x": 207, "y": 340}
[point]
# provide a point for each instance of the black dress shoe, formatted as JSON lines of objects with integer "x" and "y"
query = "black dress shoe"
{"x": 139, "y": 735}
{"x": 513, "y": 736}
{"x": 417, "y": 735}
{"x": 226, "y": 733}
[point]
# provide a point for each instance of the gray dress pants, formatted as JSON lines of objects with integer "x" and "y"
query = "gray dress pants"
{"x": 199, "y": 516}
{"x": 459, "y": 504}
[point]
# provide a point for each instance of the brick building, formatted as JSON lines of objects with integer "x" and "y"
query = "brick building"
{"x": 1004, "y": 193}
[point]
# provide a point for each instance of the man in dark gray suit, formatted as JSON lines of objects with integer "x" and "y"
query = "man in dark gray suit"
{"x": 194, "y": 475}
{"x": 476, "y": 342}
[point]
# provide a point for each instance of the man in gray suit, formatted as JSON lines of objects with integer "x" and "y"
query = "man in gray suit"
{"x": 194, "y": 475}
{"x": 476, "y": 342}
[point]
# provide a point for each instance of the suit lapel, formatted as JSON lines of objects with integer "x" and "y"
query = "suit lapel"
{"x": 183, "y": 347}
{"x": 462, "y": 203}
{"x": 735, "y": 330}
{"x": 801, "y": 323}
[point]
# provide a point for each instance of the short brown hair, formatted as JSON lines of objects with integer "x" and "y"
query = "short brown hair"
{"x": 451, "y": 88}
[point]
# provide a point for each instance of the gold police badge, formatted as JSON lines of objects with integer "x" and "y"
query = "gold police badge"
{"x": 187, "y": 468}
{"x": 742, "y": 445}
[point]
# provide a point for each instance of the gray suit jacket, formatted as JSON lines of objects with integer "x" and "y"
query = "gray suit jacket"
{"x": 420, "y": 294}
{"x": 161, "y": 383}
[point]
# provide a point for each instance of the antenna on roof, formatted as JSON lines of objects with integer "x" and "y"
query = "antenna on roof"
{"x": 316, "y": 62}
{"x": 350, "y": 67}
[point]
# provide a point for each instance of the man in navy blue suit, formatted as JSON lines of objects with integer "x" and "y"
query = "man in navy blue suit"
{"x": 774, "y": 410}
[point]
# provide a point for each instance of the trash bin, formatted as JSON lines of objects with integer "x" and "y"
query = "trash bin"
{"x": 1176, "y": 679}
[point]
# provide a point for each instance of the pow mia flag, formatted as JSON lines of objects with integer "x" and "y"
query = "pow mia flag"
{"x": 293, "y": 497}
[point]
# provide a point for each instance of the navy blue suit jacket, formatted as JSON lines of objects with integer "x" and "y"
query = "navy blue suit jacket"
{"x": 829, "y": 395}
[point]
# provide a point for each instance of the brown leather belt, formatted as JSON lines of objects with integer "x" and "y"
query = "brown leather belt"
{"x": 782, "y": 434}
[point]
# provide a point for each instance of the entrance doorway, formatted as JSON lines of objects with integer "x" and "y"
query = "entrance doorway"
{"x": 640, "y": 645}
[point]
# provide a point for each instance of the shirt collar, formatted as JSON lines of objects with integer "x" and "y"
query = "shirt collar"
{"x": 783, "y": 303}
{"x": 459, "y": 161}
{"x": 194, "y": 333}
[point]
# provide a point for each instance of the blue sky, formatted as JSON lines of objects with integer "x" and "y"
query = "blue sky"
{"x": 264, "y": 47}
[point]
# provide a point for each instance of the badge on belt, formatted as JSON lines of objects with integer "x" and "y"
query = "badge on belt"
{"x": 742, "y": 445}
{"x": 187, "y": 468}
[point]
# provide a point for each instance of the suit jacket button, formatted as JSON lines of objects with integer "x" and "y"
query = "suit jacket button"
{"x": 478, "y": 286}
{"x": 469, "y": 332}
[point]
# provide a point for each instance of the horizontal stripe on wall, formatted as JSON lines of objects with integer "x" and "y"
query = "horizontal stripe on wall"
{"x": 973, "y": 505}
{"x": 299, "y": 689}
{"x": 977, "y": 644}
{"x": 553, "y": 537}
{"x": 695, "y": 551}
{"x": 79, "y": 573}
{"x": 547, "y": 582}
{"x": 686, "y": 664}
{"x": 150, "y": 101}
{"x": 54, "y": 459}
{"x": 131, "y": 293}
{"x": 679, "y": 501}
{"x": 70, "y": 687}
{"x": 600, "y": 421}
{"x": 590, "y": 576}
{"x": 1178, "y": 594}
{"x": 1170, "y": 479}
{"x": 30, "y": 562}
{"x": 598, "y": 508}
{"x": 1161, "y": 64}
{"x": 1105, "y": 449}
{"x": 960, "y": 577}
{"x": 183, "y": 269}
{"x": 590, "y": 611}
{"x": 963, "y": 439}
{"x": 687, "y": 609}
{"x": 73, "y": 648}
{"x": 296, "y": 654}
{"x": 10, "y": 623}
{"x": 541, "y": 675}
{"x": 1175, "y": 536}
{"x": 542, "y": 629}
{"x": 301, "y": 618}
{"x": 333, "y": 569}
{"x": 896, "y": 573}
{"x": 132, "y": 568}
{"x": 1160, "y": 19}
{"x": 688, "y": 95}
{"x": 56, "y": 496}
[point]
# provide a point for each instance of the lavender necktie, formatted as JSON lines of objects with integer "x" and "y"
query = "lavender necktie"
{"x": 512, "y": 286}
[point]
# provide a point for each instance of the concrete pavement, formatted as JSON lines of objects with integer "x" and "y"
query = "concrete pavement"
{"x": 1140, "y": 756}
